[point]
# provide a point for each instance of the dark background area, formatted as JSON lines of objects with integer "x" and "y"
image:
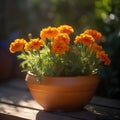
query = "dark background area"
{"x": 20, "y": 17}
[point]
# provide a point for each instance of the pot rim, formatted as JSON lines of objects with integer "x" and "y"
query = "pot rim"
{"x": 31, "y": 78}
{"x": 96, "y": 74}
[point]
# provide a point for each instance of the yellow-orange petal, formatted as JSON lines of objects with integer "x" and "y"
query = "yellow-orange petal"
{"x": 94, "y": 33}
{"x": 36, "y": 43}
{"x": 103, "y": 57}
{"x": 96, "y": 47}
{"x": 66, "y": 29}
{"x": 59, "y": 47}
{"x": 85, "y": 39}
{"x": 27, "y": 47}
{"x": 49, "y": 33}
{"x": 62, "y": 37}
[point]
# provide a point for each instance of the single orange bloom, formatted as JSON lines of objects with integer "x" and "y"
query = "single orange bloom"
{"x": 49, "y": 33}
{"x": 17, "y": 45}
{"x": 103, "y": 57}
{"x": 66, "y": 29}
{"x": 36, "y": 43}
{"x": 59, "y": 47}
{"x": 84, "y": 38}
{"x": 62, "y": 37}
{"x": 96, "y": 47}
{"x": 94, "y": 33}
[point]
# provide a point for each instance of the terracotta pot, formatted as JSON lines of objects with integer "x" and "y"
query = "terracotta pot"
{"x": 62, "y": 93}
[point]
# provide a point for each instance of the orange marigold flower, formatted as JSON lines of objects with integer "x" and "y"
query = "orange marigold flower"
{"x": 66, "y": 29}
{"x": 59, "y": 47}
{"x": 27, "y": 47}
{"x": 97, "y": 48}
{"x": 36, "y": 43}
{"x": 84, "y": 38}
{"x": 17, "y": 45}
{"x": 63, "y": 37}
{"x": 94, "y": 33}
{"x": 103, "y": 57}
{"x": 49, "y": 33}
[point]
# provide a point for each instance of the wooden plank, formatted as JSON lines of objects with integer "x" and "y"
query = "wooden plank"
{"x": 30, "y": 114}
{"x": 42, "y": 115}
{"x": 113, "y": 103}
{"x": 15, "y": 98}
{"x": 15, "y": 94}
{"x": 104, "y": 112}
{"x": 10, "y": 117}
{"x": 80, "y": 115}
{"x": 18, "y": 111}
{"x": 18, "y": 98}
{"x": 15, "y": 84}
{"x": 93, "y": 112}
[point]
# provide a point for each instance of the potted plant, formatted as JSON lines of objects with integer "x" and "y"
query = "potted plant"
{"x": 61, "y": 73}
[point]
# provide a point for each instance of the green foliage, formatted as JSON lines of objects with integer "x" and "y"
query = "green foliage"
{"x": 102, "y": 7}
{"x": 79, "y": 60}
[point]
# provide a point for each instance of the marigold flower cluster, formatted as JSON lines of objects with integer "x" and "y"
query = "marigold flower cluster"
{"x": 90, "y": 38}
{"x": 58, "y": 43}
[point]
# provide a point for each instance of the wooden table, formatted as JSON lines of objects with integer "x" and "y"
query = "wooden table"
{"x": 16, "y": 103}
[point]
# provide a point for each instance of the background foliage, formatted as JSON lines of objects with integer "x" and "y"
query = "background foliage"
{"x": 107, "y": 15}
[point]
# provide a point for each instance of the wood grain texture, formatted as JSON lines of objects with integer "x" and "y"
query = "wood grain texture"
{"x": 16, "y": 103}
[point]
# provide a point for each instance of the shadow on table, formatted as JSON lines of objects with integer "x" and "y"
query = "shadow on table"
{"x": 90, "y": 112}
{"x": 78, "y": 115}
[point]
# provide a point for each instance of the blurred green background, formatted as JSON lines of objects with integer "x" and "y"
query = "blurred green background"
{"x": 20, "y": 17}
